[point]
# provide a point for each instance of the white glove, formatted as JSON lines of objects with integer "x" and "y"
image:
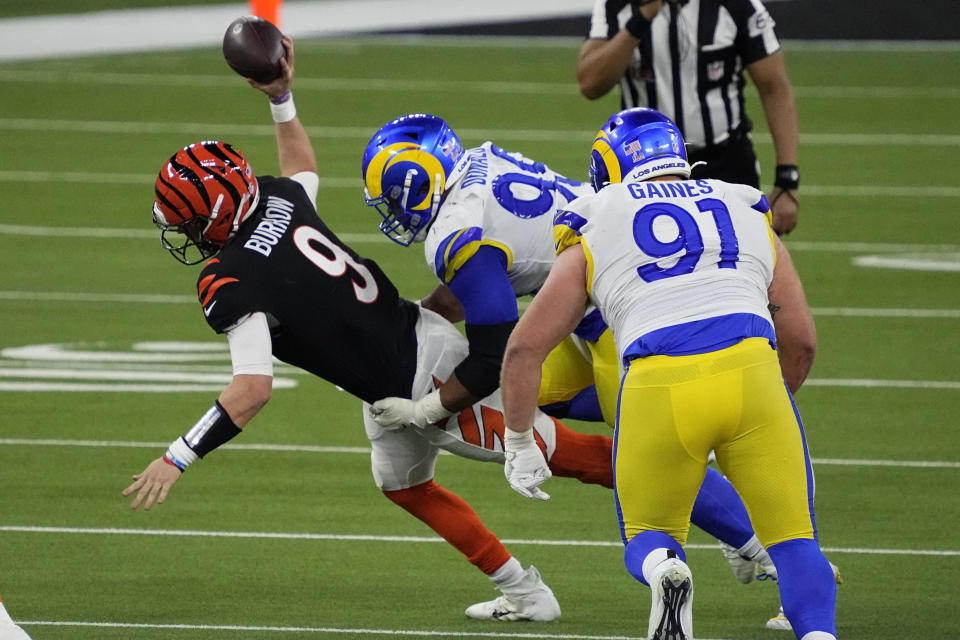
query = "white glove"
{"x": 524, "y": 466}
{"x": 394, "y": 414}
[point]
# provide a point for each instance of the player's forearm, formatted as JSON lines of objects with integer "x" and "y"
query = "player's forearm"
{"x": 792, "y": 320}
{"x": 245, "y": 396}
{"x": 781, "y": 115}
{"x": 602, "y": 64}
{"x": 795, "y": 363}
{"x": 294, "y": 151}
{"x": 442, "y": 301}
{"x": 520, "y": 385}
{"x": 779, "y": 107}
{"x": 454, "y": 396}
{"x": 479, "y": 372}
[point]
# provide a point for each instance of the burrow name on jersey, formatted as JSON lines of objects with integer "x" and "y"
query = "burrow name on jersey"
{"x": 271, "y": 228}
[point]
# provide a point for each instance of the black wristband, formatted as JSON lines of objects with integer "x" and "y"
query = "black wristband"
{"x": 787, "y": 177}
{"x": 637, "y": 26}
{"x": 212, "y": 430}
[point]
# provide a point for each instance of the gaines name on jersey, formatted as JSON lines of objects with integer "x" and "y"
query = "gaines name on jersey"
{"x": 679, "y": 189}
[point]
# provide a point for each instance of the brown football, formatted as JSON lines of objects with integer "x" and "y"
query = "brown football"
{"x": 252, "y": 48}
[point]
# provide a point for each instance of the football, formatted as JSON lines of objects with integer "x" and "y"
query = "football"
{"x": 252, "y": 48}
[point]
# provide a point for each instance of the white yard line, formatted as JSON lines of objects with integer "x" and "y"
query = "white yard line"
{"x": 866, "y": 312}
{"x": 276, "y": 535}
{"x": 417, "y": 633}
{"x": 381, "y": 85}
{"x": 161, "y": 298}
{"x": 335, "y": 182}
{"x": 830, "y": 246}
{"x": 131, "y": 444}
{"x": 513, "y": 135}
{"x": 882, "y": 384}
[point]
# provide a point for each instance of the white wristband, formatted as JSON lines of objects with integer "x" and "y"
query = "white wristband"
{"x": 516, "y": 439}
{"x": 433, "y": 410}
{"x": 180, "y": 455}
{"x": 282, "y": 108}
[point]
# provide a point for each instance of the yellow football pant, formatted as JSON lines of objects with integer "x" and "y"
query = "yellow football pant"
{"x": 568, "y": 370}
{"x": 675, "y": 409}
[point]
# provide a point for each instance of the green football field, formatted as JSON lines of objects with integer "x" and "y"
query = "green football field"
{"x": 106, "y": 358}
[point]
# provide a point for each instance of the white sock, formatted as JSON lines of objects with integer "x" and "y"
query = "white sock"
{"x": 509, "y": 574}
{"x": 653, "y": 559}
{"x": 751, "y": 549}
{"x": 818, "y": 635}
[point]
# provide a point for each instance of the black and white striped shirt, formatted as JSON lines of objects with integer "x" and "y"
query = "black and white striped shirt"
{"x": 690, "y": 66}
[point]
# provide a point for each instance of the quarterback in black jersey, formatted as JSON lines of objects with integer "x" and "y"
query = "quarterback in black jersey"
{"x": 352, "y": 329}
{"x": 279, "y": 283}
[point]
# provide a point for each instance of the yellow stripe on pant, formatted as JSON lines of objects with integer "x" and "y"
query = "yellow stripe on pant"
{"x": 674, "y": 410}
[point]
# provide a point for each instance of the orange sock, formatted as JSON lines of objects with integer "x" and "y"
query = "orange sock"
{"x": 585, "y": 457}
{"x": 267, "y": 9}
{"x": 455, "y": 521}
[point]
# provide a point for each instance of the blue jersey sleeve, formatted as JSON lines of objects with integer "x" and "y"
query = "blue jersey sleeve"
{"x": 483, "y": 288}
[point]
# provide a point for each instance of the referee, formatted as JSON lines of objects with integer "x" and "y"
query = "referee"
{"x": 686, "y": 59}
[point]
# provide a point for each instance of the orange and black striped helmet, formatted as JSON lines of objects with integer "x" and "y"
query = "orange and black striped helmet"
{"x": 203, "y": 193}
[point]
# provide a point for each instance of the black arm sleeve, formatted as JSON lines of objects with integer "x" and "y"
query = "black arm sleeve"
{"x": 479, "y": 372}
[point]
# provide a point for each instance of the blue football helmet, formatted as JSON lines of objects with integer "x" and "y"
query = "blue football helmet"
{"x": 406, "y": 167}
{"x": 637, "y": 144}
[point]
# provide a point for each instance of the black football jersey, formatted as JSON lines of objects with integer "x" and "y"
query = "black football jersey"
{"x": 331, "y": 312}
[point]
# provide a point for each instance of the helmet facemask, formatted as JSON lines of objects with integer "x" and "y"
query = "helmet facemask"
{"x": 400, "y": 223}
{"x": 185, "y": 241}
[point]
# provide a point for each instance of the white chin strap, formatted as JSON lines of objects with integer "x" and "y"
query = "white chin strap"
{"x": 254, "y": 201}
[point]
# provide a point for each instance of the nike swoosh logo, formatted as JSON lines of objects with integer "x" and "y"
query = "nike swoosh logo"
{"x": 209, "y": 308}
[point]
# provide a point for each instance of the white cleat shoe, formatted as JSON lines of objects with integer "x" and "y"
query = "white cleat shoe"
{"x": 745, "y": 568}
{"x": 12, "y": 632}
{"x": 779, "y": 622}
{"x": 764, "y": 568}
{"x": 532, "y": 600}
{"x": 671, "y": 607}
{"x": 9, "y": 630}
{"x": 742, "y": 568}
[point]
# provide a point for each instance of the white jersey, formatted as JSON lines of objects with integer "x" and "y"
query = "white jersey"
{"x": 664, "y": 254}
{"x": 406, "y": 457}
{"x": 504, "y": 200}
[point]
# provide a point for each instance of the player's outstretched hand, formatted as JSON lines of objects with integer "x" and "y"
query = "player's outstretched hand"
{"x": 153, "y": 484}
{"x": 282, "y": 84}
{"x": 526, "y": 469}
{"x": 396, "y": 413}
